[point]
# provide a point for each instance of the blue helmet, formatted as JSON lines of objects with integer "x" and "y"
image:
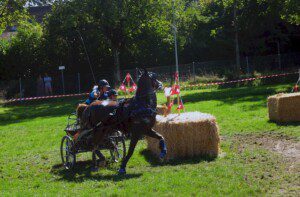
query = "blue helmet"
{"x": 103, "y": 83}
{"x": 112, "y": 92}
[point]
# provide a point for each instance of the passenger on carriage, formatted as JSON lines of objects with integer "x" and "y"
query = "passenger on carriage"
{"x": 113, "y": 94}
{"x": 93, "y": 95}
{"x": 104, "y": 86}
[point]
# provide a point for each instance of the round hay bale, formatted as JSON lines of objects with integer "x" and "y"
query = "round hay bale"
{"x": 284, "y": 107}
{"x": 187, "y": 135}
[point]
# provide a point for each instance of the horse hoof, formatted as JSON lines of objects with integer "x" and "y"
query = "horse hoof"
{"x": 162, "y": 154}
{"x": 122, "y": 171}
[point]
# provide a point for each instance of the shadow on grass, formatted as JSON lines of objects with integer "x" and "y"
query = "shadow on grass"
{"x": 82, "y": 172}
{"x": 155, "y": 162}
{"x": 28, "y": 110}
{"x": 294, "y": 124}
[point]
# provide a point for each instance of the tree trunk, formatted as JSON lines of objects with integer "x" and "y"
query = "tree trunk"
{"x": 116, "y": 70}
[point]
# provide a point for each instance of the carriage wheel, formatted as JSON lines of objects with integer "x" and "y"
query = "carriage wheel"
{"x": 118, "y": 151}
{"x": 68, "y": 155}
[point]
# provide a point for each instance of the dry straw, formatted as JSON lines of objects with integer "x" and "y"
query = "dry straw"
{"x": 284, "y": 107}
{"x": 161, "y": 109}
{"x": 187, "y": 135}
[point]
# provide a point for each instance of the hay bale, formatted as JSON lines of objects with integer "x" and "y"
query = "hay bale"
{"x": 187, "y": 135}
{"x": 162, "y": 110}
{"x": 284, "y": 107}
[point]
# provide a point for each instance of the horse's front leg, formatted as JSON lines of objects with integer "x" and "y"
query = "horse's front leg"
{"x": 162, "y": 144}
{"x": 133, "y": 142}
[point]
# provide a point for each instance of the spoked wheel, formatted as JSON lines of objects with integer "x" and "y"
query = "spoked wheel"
{"x": 118, "y": 149}
{"x": 67, "y": 151}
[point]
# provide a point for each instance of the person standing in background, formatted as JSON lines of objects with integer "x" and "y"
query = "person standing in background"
{"x": 40, "y": 88}
{"x": 48, "y": 86}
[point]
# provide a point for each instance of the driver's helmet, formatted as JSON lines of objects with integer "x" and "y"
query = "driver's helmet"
{"x": 112, "y": 92}
{"x": 104, "y": 83}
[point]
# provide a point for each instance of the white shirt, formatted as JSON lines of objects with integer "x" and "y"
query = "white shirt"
{"x": 47, "y": 81}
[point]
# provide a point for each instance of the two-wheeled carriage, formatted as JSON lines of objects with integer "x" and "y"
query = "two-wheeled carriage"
{"x": 78, "y": 141}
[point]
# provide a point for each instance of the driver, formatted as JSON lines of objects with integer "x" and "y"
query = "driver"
{"x": 103, "y": 86}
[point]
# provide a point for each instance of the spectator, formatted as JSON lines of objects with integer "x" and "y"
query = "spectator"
{"x": 48, "y": 86}
{"x": 40, "y": 88}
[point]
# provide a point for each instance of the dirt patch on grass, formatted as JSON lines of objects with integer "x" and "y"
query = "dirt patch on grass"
{"x": 287, "y": 164}
{"x": 286, "y": 146}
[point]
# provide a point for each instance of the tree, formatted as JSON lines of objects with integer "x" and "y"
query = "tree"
{"x": 118, "y": 28}
{"x": 119, "y": 21}
{"x": 11, "y": 13}
{"x": 290, "y": 11}
{"x": 24, "y": 54}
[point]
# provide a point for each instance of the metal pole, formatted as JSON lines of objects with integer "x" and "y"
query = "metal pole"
{"x": 279, "y": 56}
{"x": 20, "y": 84}
{"x": 237, "y": 48}
{"x": 78, "y": 79}
{"x": 299, "y": 77}
{"x": 136, "y": 74}
{"x": 63, "y": 81}
{"x": 176, "y": 55}
{"x": 177, "y": 69}
{"x": 171, "y": 76}
{"x": 248, "y": 69}
{"x": 194, "y": 74}
{"x": 175, "y": 38}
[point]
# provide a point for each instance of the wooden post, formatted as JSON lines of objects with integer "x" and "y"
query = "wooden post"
{"x": 78, "y": 80}
{"x": 20, "y": 87}
{"x": 194, "y": 73}
{"x": 168, "y": 111}
{"x": 128, "y": 85}
{"x": 178, "y": 103}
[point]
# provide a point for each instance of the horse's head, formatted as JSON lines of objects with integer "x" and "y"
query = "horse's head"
{"x": 156, "y": 84}
{"x": 148, "y": 82}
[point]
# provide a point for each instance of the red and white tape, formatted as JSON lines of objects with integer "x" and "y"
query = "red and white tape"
{"x": 45, "y": 97}
{"x": 187, "y": 86}
{"x": 239, "y": 80}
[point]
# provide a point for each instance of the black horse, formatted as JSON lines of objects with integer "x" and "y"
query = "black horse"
{"x": 135, "y": 117}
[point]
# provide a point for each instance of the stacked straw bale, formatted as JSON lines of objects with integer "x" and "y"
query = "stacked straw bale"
{"x": 284, "y": 107}
{"x": 160, "y": 109}
{"x": 187, "y": 135}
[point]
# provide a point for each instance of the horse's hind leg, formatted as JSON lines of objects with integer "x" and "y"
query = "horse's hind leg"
{"x": 162, "y": 144}
{"x": 133, "y": 142}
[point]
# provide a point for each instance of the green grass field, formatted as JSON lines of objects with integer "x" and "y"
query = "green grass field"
{"x": 30, "y": 135}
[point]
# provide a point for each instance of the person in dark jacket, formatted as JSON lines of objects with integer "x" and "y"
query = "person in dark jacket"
{"x": 113, "y": 94}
